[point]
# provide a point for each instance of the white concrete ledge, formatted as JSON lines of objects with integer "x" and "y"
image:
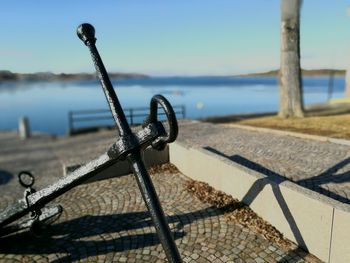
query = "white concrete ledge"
{"x": 317, "y": 223}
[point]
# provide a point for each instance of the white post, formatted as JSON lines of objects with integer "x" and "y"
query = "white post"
{"x": 23, "y": 128}
{"x": 347, "y": 83}
{"x": 347, "y": 75}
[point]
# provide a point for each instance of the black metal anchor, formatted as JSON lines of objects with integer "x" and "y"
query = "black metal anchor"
{"x": 128, "y": 146}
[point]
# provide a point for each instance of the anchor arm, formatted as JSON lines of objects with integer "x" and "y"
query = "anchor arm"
{"x": 116, "y": 152}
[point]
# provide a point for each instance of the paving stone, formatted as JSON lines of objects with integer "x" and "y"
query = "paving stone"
{"x": 107, "y": 221}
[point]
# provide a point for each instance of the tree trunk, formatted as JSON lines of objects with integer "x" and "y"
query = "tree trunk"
{"x": 291, "y": 100}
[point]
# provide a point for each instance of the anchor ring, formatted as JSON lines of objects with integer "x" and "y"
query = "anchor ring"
{"x": 166, "y": 137}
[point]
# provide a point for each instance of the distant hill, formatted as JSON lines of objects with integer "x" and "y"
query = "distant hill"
{"x": 6, "y": 75}
{"x": 305, "y": 72}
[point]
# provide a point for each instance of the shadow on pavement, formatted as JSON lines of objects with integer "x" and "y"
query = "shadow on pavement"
{"x": 5, "y": 177}
{"x": 76, "y": 237}
{"x": 329, "y": 176}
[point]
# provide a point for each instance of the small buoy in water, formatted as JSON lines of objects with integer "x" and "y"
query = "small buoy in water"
{"x": 200, "y": 105}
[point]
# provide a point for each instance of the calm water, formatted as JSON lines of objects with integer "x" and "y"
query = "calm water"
{"x": 47, "y": 104}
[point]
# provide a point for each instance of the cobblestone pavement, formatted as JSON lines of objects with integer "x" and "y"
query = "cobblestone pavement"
{"x": 44, "y": 156}
{"x": 107, "y": 221}
{"x": 320, "y": 166}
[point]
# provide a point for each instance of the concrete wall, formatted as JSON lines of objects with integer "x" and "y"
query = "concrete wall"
{"x": 317, "y": 223}
{"x": 340, "y": 249}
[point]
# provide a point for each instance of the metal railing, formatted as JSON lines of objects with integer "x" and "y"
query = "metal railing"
{"x": 135, "y": 116}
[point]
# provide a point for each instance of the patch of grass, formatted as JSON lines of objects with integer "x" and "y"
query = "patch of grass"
{"x": 335, "y": 126}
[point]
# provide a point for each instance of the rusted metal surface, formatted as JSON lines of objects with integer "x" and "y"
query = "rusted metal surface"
{"x": 127, "y": 146}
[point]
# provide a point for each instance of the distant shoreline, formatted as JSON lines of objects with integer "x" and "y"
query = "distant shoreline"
{"x": 6, "y": 75}
{"x": 304, "y": 72}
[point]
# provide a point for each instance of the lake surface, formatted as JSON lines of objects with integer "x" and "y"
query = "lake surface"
{"x": 47, "y": 104}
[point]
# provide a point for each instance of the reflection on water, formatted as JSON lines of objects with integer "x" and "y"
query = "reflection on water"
{"x": 47, "y": 103}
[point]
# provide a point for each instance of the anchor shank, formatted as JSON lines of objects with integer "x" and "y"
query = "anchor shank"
{"x": 86, "y": 33}
{"x": 111, "y": 96}
{"x": 154, "y": 207}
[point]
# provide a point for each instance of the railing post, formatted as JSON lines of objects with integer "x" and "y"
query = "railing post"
{"x": 23, "y": 128}
{"x": 131, "y": 112}
{"x": 70, "y": 123}
{"x": 183, "y": 111}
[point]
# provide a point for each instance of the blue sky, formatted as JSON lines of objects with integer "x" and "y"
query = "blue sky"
{"x": 182, "y": 37}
